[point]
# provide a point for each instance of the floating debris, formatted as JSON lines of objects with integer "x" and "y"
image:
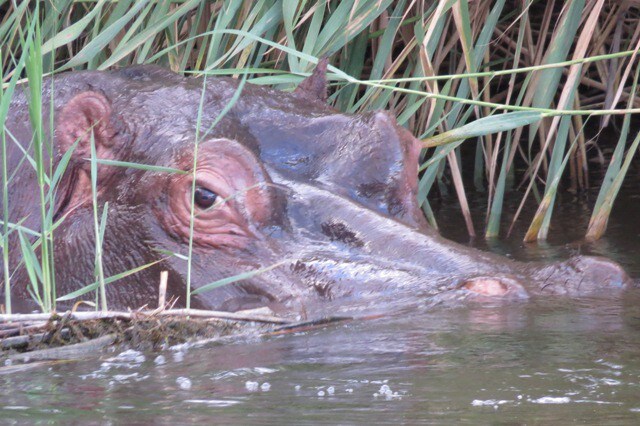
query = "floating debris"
{"x": 76, "y": 335}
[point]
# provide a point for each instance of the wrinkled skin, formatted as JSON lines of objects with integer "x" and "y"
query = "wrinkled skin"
{"x": 331, "y": 194}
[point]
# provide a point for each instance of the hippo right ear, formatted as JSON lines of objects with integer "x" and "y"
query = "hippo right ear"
{"x": 86, "y": 112}
{"x": 315, "y": 86}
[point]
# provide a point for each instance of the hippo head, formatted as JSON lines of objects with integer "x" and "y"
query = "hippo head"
{"x": 281, "y": 179}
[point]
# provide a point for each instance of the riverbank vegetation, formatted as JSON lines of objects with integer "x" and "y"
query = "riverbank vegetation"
{"x": 544, "y": 76}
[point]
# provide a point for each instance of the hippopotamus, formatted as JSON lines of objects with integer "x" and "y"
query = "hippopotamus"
{"x": 324, "y": 201}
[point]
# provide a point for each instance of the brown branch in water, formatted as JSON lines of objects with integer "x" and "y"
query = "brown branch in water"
{"x": 22, "y": 327}
{"x": 77, "y": 351}
{"x": 198, "y": 313}
{"x": 162, "y": 291}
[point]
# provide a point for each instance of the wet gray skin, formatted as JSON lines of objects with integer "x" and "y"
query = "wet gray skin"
{"x": 282, "y": 176}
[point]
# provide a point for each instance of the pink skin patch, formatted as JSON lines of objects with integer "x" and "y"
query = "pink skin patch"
{"x": 235, "y": 176}
{"x": 496, "y": 287}
{"x": 487, "y": 287}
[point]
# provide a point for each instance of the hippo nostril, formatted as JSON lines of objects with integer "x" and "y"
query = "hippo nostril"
{"x": 599, "y": 273}
{"x": 583, "y": 275}
{"x": 486, "y": 286}
{"x": 503, "y": 287}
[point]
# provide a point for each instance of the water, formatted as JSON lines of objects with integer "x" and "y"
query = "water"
{"x": 552, "y": 362}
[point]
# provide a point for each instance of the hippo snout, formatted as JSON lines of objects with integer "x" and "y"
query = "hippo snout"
{"x": 583, "y": 275}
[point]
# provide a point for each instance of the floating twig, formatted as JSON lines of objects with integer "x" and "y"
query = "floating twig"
{"x": 79, "y": 350}
{"x": 199, "y": 313}
{"x": 162, "y": 291}
{"x": 20, "y": 328}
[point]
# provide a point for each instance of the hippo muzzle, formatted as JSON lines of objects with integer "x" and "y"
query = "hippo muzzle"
{"x": 346, "y": 252}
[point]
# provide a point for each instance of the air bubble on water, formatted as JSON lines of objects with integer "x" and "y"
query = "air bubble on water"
{"x": 184, "y": 382}
{"x": 251, "y": 386}
{"x": 331, "y": 390}
{"x": 160, "y": 359}
{"x": 321, "y": 393}
{"x": 178, "y": 356}
{"x": 124, "y": 378}
{"x": 375, "y": 395}
{"x": 265, "y": 387}
{"x": 297, "y": 387}
{"x": 129, "y": 355}
{"x": 384, "y": 389}
{"x": 519, "y": 397}
{"x": 348, "y": 390}
{"x": 552, "y": 400}
{"x": 614, "y": 366}
{"x": 8, "y": 362}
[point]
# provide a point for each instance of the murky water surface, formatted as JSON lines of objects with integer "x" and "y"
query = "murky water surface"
{"x": 547, "y": 362}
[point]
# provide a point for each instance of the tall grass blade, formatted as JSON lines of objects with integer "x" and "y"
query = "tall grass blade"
{"x": 236, "y": 278}
{"x": 483, "y": 127}
{"x": 199, "y": 136}
{"x": 108, "y": 280}
{"x": 98, "y": 227}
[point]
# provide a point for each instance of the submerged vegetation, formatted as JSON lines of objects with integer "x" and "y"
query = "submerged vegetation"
{"x": 524, "y": 82}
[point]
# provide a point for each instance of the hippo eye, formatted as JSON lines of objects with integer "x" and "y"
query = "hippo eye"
{"x": 204, "y": 198}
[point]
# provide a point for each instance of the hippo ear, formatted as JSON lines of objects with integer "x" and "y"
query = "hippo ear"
{"x": 315, "y": 86}
{"x": 86, "y": 112}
